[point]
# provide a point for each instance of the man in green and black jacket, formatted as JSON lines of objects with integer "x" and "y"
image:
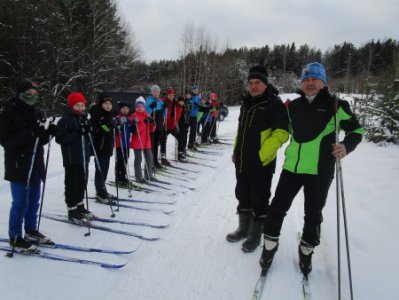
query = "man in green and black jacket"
{"x": 310, "y": 161}
{"x": 262, "y": 130}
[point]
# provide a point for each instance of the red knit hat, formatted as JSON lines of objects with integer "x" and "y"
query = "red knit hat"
{"x": 213, "y": 96}
{"x": 171, "y": 91}
{"x": 75, "y": 98}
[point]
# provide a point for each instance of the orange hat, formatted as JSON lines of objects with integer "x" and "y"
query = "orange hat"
{"x": 76, "y": 98}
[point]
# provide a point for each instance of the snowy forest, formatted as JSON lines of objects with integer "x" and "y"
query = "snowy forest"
{"x": 85, "y": 45}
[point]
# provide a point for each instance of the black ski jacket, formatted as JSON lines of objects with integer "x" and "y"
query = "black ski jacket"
{"x": 103, "y": 130}
{"x": 18, "y": 141}
{"x": 69, "y": 136}
{"x": 262, "y": 129}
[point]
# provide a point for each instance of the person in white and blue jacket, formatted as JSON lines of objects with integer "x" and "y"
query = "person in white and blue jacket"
{"x": 195, "y": 103}
{"x": 157, "y": 109}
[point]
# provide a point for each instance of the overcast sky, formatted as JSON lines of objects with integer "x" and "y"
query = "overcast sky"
{"x": 158, "y": 24}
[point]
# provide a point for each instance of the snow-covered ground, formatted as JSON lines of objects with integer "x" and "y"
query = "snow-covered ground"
{"x": 192, "y": 259}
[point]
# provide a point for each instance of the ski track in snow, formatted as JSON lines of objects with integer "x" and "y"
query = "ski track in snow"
{"x": 192, "y": 259}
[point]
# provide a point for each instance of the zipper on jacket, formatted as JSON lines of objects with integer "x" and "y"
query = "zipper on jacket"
{"x": 245, "y": 127}
{"x": 299, "y": 158}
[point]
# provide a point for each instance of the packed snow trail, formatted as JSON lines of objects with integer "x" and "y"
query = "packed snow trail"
{"x": 192, "y": 260}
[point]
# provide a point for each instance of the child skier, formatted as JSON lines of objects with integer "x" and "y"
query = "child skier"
{"x": 174, "y": 110}
{"x": 183, "y": 124}
{"x": 122, "y": 144}
{"x": 23, "y": 137}
{"x": 143, "y": 124}
{"x": 215, "y": 104}
{"x": 103, "y": 125}
{"x": 204, "y": 118}
{"x": 71, "y": 134}
{"x": 156, "y": 108}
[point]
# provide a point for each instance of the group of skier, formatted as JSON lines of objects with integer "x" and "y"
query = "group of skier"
{"x": 265, "y": 124}
{"x": 24, "y": 131}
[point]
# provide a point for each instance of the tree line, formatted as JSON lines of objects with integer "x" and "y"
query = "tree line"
{"x": 85, "y": 45}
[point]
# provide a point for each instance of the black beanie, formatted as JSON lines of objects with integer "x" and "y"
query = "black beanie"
{"x": 123, "y": 104}
{"x": 23, "y": 85}
{"x": 258, "y": 72}
{"x": 103, "y": 97}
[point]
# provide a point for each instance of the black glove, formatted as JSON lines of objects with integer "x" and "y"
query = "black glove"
{"x": 85, "y": 127}
{"x": 149, "y": 120}
{"x": 51, "y": 129}
{"x": 153, "y": 105}
{"x": 39, "y": 131}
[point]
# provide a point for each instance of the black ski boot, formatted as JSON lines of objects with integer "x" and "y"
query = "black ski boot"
{"x": 104, "y": 198}
{"x": 157, "y": 165}
{"x": 305, "y": 251}
{"x": 270, "y": 247}
{"x": 165, "y": 162}
{"x": 21, "y": 245}
{"x": 244, "y": 222}
{"x": 181, "y": 156}
{"x": 254, "y": 235}
{"x": 88, "y": 214}
{"x": 35, "y": 237}
{"x": 76, "y": 217}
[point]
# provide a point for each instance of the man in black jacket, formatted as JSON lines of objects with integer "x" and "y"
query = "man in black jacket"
{"x": 310, "y": 161}
{"x": 20, "y": 131}
{"x": 262, "y": 130}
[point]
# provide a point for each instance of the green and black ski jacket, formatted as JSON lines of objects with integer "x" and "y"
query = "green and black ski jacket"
{"x": 312, "y": 129}
{"x": 262, "y": 130}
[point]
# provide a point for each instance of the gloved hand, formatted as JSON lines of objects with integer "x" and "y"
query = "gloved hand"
{"x": 85, "y": 127}
{"x": 122, "y": 120}
{"x": 149, "y": 120}
{"x": 51, "y": 129}
{"x": 39, "y": 130}
{"x": 136, "y": 120}
{"x": 114, "y": 122}
{"x": 153, "y": 105}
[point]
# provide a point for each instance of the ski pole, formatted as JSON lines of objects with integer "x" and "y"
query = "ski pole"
{"x": 44, "y": 181}
{"x": 341, "y": 199}
{"x": 101, "y": 173}
{"x": 116, "y": 171}
{"x": 84, "y": 160}
{"x": 25, "y": 194}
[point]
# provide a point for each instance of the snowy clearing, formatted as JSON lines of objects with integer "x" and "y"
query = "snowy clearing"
{"x": 192, "y": 259}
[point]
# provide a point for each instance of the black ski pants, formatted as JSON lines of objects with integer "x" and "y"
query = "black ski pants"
{"x": 253, "y": 191}
{"x": 75, "y": 185}
{"x": 183, "y": 130}
{"x": 315, "y": 189}
{"x": 176, "y": 134}
{"x": 101, "y": 174}
{"x": 121, "y": 163}
{"x": 156, "y": 139}
{"x": 193, "y": 131}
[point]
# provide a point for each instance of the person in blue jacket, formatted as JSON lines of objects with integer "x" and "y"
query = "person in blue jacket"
{"x": 195, "y": 103}
{"x": 122, "y": 142}
{"x": 157, "y": 109}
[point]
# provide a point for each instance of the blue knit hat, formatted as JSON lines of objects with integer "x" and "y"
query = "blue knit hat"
{"x": 314, "y": 70}
{"x": 194, "y": 87}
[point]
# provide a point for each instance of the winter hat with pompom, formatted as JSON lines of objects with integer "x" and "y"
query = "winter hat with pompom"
{"x": 140, "y": 100}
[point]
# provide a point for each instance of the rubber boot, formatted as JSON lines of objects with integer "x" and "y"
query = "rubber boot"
{"x": 254, "y": 236}
{"x": 244, "y": 222}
